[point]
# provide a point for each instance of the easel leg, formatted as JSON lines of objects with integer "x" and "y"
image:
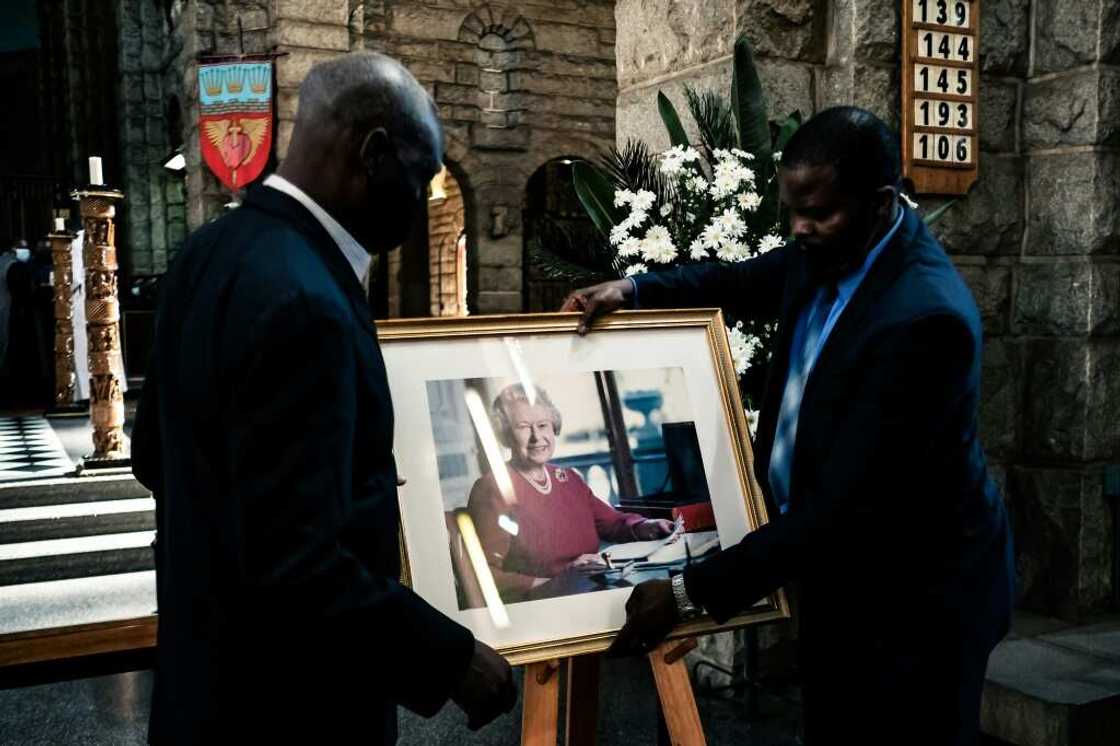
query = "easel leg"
{"x": 674, "y": 689}
{"x": 541, "y": 707}
{"x": 583, "y": 700}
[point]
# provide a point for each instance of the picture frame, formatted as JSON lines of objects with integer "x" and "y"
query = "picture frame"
{"x": 644, "y": 416}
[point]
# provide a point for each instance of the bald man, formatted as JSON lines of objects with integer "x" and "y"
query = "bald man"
{"x": 266, "y": 433}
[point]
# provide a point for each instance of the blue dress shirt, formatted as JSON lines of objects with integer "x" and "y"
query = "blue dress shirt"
{"x": 845, "y": 289}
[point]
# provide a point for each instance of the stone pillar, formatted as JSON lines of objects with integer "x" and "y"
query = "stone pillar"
{"x": 65, "y": 375}
{"x": 1066, "y": 306}
{"x": 103, "y": 315}
{"x": 310, "y": 31}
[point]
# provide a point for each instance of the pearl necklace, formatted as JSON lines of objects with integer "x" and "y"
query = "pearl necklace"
{"x": 544, "y": 488}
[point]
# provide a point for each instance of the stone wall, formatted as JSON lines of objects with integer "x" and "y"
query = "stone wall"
{"x": 446, "y": 268}
{"x": 517, "y": 84}
{"x": 153, "y": 213}
{"x": 1037, "y": 239}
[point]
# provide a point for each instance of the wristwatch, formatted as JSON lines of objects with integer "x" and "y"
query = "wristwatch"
{"x": 685, "y": 608}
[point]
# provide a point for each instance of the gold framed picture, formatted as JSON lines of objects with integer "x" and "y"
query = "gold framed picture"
{"x": 548, "y": 473}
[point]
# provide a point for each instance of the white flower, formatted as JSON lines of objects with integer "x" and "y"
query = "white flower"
{"x": 777, "y": 156}
{"x": 643, "y": 200}
{"x": 721, "y": 154}
{"x": 630, "y": 246}
{"x": 713, "y": 236}
{"x": 636, "y": 269}
{"x": 697, "y": 184}
{"x": 697, "y": 250}
{"x": 743, "y": 348}
{"x": 674, "y": 159}
{"x": 752, "y": 421}
{"x": 749, "y": 201}
{"x": 732, "y": 251}
{"x": 634, "y": 219}
{"x": 743, "y": 154}
{"x": 666, "y": 210}
{"x": 658, "y": 245}
{"x": 770, "y": 242}
{"x": 619, "y": 232}
{"x": 623, "y": 197}
{"x": 724, "y": 184}
{"x": 731, "y": 223}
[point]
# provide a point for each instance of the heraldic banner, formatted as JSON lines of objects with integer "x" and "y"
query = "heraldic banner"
{"x": 235, "y": 121}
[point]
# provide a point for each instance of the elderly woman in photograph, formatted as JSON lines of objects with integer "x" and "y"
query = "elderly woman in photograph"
{"x": 553, "y": 522}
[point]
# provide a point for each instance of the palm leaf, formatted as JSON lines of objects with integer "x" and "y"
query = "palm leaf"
{"x": 636, "y": 167}
{"x": 713, "y": 117}
{"x": 555, "y": 268}
{"x": 596, "y": 196}
{"x": 748, "y": 102}
{"x": 677, "y": 135}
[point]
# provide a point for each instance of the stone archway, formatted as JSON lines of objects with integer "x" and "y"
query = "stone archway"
{"x": 447, "y": 245}
{"x": 554, "y": 221}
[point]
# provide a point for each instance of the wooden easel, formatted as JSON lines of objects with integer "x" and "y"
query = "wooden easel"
{"x": 541, "y": 708}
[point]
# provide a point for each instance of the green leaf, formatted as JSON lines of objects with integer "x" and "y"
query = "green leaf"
{"x": 713, "y": 117}
{"x": 677, "y": 135}
{"x": 635, "y": 167}
{"x": 748, "y": 103}
{"x": 596, "y": 196}
{"x": 785, "y": 132}
{"x": 934, "y": 216}
{"x": 555, "y": 267}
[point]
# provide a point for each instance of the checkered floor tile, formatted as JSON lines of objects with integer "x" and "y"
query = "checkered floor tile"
{"x": 30, "y": 448}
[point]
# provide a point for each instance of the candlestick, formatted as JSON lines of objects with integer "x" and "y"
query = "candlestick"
{"x": 96, "y": 178}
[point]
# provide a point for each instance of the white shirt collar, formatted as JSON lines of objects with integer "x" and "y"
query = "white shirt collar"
{"x": 354, "y": 252}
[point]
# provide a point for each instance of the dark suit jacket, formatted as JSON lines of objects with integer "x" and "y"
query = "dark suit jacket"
{"x": 896, "y": 540}
{"x": 266, "y": 433}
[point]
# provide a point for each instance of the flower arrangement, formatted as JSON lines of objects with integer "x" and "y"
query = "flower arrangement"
{"x": 712, "y": 201}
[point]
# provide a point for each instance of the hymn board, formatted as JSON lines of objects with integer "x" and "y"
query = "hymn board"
{"x": 940, "y": 76}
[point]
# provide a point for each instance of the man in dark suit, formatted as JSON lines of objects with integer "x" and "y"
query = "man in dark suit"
{"x": 885, "y": 521}
{"x": 266, "y": 433}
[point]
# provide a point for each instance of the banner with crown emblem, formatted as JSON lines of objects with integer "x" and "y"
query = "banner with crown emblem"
{"x": 235, "y": 120}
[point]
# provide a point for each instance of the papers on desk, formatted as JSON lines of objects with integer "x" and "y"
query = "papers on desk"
{"x": 664, "y": 551}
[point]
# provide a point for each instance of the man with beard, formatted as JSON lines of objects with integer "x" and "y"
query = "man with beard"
{"x": 885, "y": 524}
{"x": 266, "y": 433}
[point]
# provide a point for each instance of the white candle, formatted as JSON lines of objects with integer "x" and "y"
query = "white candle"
{"x": 95, "y": 176}
{"x": 59, "y": 225}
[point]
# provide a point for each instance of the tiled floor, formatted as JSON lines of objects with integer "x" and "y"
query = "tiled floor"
{"x": 114, "y": 710}
{"x": 29, "y": 447}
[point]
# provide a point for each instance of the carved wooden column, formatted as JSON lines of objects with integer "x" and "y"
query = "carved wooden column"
{"x": 65, "y": 378}
{"x": 106, "y": 396}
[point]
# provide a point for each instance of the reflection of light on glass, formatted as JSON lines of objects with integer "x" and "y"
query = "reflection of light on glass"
{"x": 514, "y": 347}
{"x": 508, "y": 525}
{"x": 490, "y": 446}
{"x": 482, "y": 571}
{"x": 599, "y": 483}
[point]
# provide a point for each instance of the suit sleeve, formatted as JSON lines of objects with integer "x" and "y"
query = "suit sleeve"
{"x": 908, "y": 393}
{"x": 290, "y": 446}
{"x": 752, "y": 288}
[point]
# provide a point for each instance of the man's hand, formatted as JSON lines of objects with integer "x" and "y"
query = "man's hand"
{"x": 651, "y": 614}
{"x": 654, "y": 528}
{"x": 487, "y": 689}
{"x": 598, "y": 300}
